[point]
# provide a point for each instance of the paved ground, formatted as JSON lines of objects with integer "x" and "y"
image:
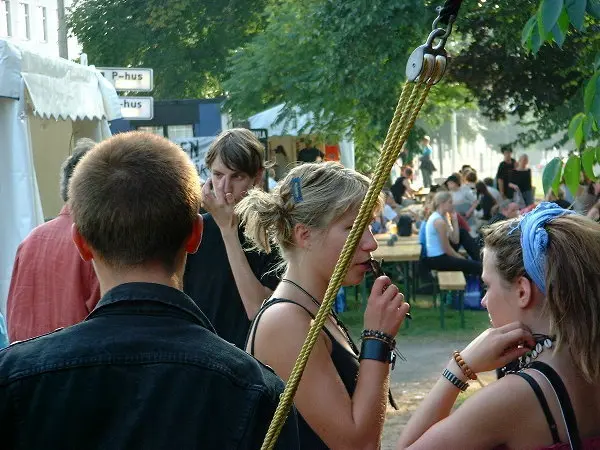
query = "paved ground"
{"x": 412, "y": 380}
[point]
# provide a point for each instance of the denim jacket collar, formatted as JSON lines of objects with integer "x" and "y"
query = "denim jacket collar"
{"x": 162, "y": 295}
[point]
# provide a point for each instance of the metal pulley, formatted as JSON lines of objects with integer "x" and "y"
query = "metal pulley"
{"x": 431, "y": 58}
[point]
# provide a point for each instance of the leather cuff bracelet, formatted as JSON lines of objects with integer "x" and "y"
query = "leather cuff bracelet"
{"x": 377, "y": 350}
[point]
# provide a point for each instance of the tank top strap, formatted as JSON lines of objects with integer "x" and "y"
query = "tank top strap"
{"x": 566, "y": 407}
{"x": 266, "y": 305}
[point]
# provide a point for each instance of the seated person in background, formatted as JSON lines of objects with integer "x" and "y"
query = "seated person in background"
{"x": 587, "y": 196}
{"x": 145, "y": 369}
{"x": 463, "y": 198}
{"x": 342, "y": 395}
{"x": 402, "y": 190}
{"x": 489, "y": 182}
{"x": 485, "y": 202}
{"x": 470, "y": 178}
{"x": 559, "y": 200}
{"x": 594, "y": 212}
{"x": 543, "y": 299}
{"x": 441, "y": 233}
{"x": 507, "y": 210}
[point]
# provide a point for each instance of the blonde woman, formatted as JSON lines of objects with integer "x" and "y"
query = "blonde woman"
{"x": 342, "y": 395}
{"x": 543, "y": 298}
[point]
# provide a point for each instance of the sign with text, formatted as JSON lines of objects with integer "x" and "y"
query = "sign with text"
{"x": 137, "y": 108}
{"x": 125, "y": 79}
{"x": 196, "y": 148}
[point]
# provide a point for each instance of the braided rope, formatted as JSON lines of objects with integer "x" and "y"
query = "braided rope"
{"x": 404, "y": 118}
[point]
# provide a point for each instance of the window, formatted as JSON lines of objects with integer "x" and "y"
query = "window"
{"x": 26, "y": 29}
{"x": 43, "y": 17}
{"x": 5, "y": 20}
{"x": 154, "y": 130}
{"x": 180, "y": 131}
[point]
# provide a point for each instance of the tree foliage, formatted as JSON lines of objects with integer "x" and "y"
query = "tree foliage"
{"x": 186, "y": 42}
{"x": 542, "y": 88}
{"x": 343, "y": 60}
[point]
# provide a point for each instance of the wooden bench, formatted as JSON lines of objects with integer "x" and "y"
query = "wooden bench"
{"x": 448, "y": 283}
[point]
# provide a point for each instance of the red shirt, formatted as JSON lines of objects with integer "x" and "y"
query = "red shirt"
{"x": 51, "y": 286}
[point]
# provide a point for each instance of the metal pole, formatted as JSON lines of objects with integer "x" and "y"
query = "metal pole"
{"x": 63, "y": 47}
{"x": 454, "y": 139}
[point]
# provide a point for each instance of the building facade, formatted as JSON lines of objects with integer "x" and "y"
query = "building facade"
{"x": 33, "y": 24}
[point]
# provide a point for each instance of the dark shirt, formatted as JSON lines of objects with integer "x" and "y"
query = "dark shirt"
{"x": 486, "y": 203}
{"x": 398, "y": 189}
{"x": 521, "y": 178}
{"x": 209, "y": 281}
{"x": 345, "y": 362}
{"x": 504, "y": 171}
{"x": 309, "y": 155}
{"x": 143, "y": 371}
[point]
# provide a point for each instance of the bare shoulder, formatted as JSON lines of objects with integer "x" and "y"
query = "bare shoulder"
{"x": 505, "y": 409}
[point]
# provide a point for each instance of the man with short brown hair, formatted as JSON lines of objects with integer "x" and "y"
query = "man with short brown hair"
{"x": 145, "y": 369}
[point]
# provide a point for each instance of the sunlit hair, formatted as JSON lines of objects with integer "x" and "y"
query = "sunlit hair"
{"x": 135, "y": 198}
{"x": 440, "y": 198}
{"x": 572, "y": 302}
{"x": 328, "y": 191}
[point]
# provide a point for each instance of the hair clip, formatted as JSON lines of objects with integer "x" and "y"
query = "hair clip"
{"x": 378, "y": 272}
{"x": 296, "y": 189}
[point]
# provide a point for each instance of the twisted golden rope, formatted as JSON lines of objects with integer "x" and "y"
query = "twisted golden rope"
{"x": 411, "y": 100}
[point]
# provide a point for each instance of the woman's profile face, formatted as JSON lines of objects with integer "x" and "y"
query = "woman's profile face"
{"x": 501, "y": 298}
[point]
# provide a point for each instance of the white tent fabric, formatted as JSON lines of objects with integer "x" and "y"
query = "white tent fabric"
{"x": 272, "y": 120}
{"x": 39, "y": 95}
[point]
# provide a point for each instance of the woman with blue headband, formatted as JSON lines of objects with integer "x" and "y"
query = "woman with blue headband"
{"x": 543, "y": 298}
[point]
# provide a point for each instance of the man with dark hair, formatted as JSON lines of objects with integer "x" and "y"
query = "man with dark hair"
{"x": 228, "y": 281}
{"x": 145, "y": 369}
{"x": 51, "y": 286}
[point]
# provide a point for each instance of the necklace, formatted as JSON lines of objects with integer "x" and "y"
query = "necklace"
{"x": 337, "y": 321}
{"x": 542, "y": 341}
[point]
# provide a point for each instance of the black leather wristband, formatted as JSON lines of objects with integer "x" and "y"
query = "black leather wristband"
{"x": 377, "y": 350}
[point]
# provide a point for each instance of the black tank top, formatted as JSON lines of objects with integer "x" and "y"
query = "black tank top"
{"x": 345, "y": 362}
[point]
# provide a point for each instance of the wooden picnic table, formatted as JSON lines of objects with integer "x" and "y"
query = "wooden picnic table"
{"x": 407, "y": 254}
{"x": 383, "y": 238}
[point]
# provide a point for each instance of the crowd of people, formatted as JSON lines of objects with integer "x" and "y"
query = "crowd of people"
{"x": 136, "y": 322}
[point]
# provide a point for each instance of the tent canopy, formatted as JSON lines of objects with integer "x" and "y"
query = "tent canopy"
{"x": 298, "y": 124}
{"x": 45, "y": 104}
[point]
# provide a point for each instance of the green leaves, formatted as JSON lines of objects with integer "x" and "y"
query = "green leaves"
{"x": 576, "y": 128}
{"x": 572, "y": 173}
{"x": 552, "y": 175}
{"x": 548, "y": 15}
{"x": 576, "y": 12}
{"x": 588, "y": 159}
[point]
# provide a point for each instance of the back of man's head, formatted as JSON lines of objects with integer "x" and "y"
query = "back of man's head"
{"x": 239, "y": 149}
{"x": 489, "y": 182}
{"x": 82, "y": 146}
{"x": 135, "y": 199}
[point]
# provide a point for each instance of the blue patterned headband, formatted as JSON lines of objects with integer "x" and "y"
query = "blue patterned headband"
{"x": 534, "y": 240}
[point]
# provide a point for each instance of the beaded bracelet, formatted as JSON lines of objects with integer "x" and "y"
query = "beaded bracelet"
{"x": 455, "y": 380}
{"x": 380, "y": 335}
{"x": 464, "y": 366}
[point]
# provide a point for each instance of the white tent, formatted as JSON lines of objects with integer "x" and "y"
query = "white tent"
{"x": 45, "y": 105}
{"x": 271, "y": 120}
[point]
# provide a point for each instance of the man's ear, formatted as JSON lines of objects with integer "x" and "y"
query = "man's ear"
{"x": 526, "y": 292}
{"x": 82, "y": 246}
{"x": 193, "y": 242}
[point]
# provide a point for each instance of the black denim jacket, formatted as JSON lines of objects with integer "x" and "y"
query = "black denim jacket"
{"x": 145, "y": 371}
